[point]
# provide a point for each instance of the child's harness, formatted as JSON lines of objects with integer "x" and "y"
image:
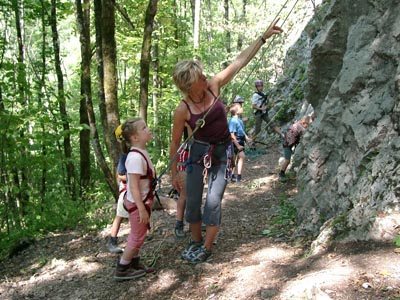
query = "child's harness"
{"x": 152, "y": 186}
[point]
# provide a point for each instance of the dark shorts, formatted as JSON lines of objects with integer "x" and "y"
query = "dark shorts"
{"x": 287, "y": 152}
{"x": 241, "y": 140}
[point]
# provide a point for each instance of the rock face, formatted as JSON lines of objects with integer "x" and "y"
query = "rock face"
{"x": 349, "y": 159}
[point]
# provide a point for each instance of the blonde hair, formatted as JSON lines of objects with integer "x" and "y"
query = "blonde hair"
{"x": 129, "y": 128}
{"x": 186, "y": 73}
{"x": 305, "y": 121}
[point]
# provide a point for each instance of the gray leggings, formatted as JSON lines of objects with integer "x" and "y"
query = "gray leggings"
{"x": 195, "y": 186}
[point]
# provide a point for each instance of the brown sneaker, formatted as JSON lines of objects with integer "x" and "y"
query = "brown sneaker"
{"x": 138, "y": 266}
{"x": 127, "y": 272}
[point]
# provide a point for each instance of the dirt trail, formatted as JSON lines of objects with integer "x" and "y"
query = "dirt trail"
{"x": 245, "y": 264}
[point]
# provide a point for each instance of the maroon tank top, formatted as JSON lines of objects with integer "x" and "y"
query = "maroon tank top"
{"x": 215, "y": 129}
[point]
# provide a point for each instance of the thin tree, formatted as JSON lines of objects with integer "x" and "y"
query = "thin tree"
{"x": 62, "y": 102}
{"x": 227, "y": 31}
{"x": 196, "y": 26}
{"x": 157, "y": 85}
{"x": 146, "y": 57}
{"x": 242, "y": 21}
{"x": 8, "y": 200}
{"x": 109, "y": 54}
{"x": 100, "y": 66}
{"x": 42, "y": 88}
{"x": 83, "y": 21}
{"x": 21, "y": 175}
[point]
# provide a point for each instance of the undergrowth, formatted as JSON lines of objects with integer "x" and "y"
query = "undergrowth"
{"x": 283, "y": 221}
{"x": 56, "y": 214}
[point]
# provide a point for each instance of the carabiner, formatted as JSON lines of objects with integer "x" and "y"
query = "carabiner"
{"x": 200, "y": 123}
{"x": 207, "y": 161}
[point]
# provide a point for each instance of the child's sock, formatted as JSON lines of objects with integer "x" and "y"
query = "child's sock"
{"x": 124, "y": 262}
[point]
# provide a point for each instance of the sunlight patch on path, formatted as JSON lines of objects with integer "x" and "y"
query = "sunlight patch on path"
{"x": 310, "y": 284}
{"x": 62, "y": 270}
{"x": 165, "y": 280}
{"x": 271, "y": 253}
{"x": 256, "y": 276}
{"x": 247, "y": 281}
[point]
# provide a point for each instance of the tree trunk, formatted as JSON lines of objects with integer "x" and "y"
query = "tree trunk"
{"x": 196, "y": 26}
{"x": 176, "y": 15}
{"x": 62, "y": 103}
{"x": 83, "y": 21}
{"x": 110, "y": 79}
{"x": 242, "y": 21}
{"x": 125, "y": 16}
{"x": 146, "y": 57}
{"x": 157, "y": 85}
{"x": 227, "y": 34}
{"x": 100, "y": 66}
{"x": 227, "y": 31}
{"x": 209, "y": 21}
{"x": 42, "y": 88}
{"x": 23, "y": 194}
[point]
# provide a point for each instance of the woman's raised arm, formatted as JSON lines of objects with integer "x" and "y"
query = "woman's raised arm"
{"x": 226, "y": 75}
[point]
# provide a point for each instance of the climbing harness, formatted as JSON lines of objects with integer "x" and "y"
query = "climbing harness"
{"x": 199, "y": 124}
{"x": 230, "y": 162}
{"x": 152, "y": 187}
{"x": 207, "y": 163}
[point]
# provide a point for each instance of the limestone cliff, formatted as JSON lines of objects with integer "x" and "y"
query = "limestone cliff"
{"x": 349, "y": 159}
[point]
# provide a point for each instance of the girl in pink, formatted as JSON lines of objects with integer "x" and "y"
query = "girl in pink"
{"x": 138, "y": 199}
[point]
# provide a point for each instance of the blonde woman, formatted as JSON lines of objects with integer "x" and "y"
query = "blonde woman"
{"x": 210, "y": 150}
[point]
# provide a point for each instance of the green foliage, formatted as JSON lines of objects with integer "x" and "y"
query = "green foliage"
{"x": 397, "y": 240}
{"x": 284, "y": 219}
{"x": 282, "y": 114}
{"x": 298, "y": 93}
{"x": 58, "y": 213}
{"x": 340, "y": 225}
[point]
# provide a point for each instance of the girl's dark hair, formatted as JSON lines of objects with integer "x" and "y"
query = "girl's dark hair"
{"x": 124, "y": 147}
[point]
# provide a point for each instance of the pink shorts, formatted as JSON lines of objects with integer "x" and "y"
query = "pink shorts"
{"x": 138, "y": 231}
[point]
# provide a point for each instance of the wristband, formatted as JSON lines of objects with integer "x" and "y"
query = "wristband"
{"x": 262, "y": 39}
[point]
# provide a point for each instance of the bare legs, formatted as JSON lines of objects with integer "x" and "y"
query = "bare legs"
{"x": 180, "y": 205}
{"x": 211, "y": 234}
{"x": 115, "y": 226}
